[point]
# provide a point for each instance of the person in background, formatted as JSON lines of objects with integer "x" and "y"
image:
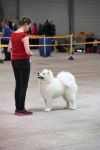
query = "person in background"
{"x": 34, "y": 32}
{"x": 34, "y": 29}
{"x": 6, "y": 32}
{"x": 20, "y": 60}
{"x": 48, "y": 29}
{"x": 10, "y": 25}
{"x": 15, "y": 26}
{"x": 40, "y": 29}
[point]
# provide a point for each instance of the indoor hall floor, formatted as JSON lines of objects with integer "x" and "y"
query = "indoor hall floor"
{"x": 60, "y": 129}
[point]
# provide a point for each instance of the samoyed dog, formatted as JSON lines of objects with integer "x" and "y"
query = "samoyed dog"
{"x": 64, "y": 85}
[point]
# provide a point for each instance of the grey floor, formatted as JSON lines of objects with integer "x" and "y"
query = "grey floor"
{"x": 59, "y": 129}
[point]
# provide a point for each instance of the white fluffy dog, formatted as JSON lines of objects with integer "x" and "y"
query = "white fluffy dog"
{"x": 52, "y": 87}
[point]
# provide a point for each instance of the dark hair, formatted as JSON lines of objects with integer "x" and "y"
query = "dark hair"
{"x": 24, "y": 20}
{"x": 10, "y": 24}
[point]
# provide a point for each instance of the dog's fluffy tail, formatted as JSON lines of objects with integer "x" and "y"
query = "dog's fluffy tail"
{"x": 67, "y": 79}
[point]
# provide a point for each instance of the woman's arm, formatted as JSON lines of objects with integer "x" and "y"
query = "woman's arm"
{"x": 9, "y": 46}
{"x": 25, "y": 41}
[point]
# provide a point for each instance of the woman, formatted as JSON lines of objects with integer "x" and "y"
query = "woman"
{"x": 20, "y": 56}
{"x": 34, "y": 29}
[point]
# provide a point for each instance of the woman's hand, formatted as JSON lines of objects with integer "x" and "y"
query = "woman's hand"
{"x": 30, "y": 53}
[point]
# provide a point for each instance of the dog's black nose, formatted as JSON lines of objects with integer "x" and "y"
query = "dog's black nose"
{"x": 38, "y": 73}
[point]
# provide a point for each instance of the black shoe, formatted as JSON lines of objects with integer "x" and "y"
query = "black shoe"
{"x": 23, "y": 113}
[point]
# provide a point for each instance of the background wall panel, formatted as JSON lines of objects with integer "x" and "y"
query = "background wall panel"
{"x": 40, "y": 10}
{"x": 87, "y": 16}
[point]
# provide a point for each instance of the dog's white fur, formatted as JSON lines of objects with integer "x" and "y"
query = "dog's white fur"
{"x": 52, "y": 87}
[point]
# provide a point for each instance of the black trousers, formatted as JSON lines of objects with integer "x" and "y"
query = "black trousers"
{"x": 21, "y": 70}
{"x": 7, "y": 54}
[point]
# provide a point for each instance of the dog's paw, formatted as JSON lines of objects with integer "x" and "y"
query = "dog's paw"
{"x": 72, "y": 107}
{"x": 48, "y": 109}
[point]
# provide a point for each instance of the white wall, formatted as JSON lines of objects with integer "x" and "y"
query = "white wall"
{"x": 87, "y": 16}
{"x": 40, "y": 10}
{"x": 10, "y": 9}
